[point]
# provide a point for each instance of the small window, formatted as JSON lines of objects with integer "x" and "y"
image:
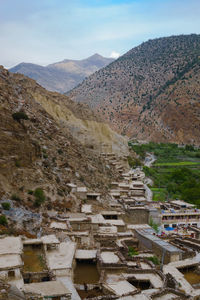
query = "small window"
{"x": 174, "y": 225}
{"x": 11, "y": 273}
{"x": 166, "y": 226}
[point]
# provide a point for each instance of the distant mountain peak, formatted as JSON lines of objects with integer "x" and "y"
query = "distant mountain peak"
{"x": 64, "y": 75}
{"x": 96, "y": 55}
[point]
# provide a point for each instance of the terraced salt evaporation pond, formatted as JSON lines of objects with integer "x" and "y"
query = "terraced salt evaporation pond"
{"x": 191, "y": 275}
{"x": 33, "y": 258}
{"x": 140, "y": 284}
{"x": 86, "y": 272}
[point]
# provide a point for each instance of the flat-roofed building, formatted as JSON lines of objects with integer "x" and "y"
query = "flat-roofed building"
{"x": 47, "y": 290}
{"x": 10, "y": 260}
{"x": 164, "y": 250}
{"x": 182, "y": 217}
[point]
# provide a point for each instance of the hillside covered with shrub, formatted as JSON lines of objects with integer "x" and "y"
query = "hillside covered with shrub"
{"x": 150, "y": 93}
{"x": 47, "y": 141}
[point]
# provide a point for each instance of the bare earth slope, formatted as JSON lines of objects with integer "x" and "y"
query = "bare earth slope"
{"x": 64, "y": 75}
{"x": 152, "y": 92}
{"x": 47, "y": 149}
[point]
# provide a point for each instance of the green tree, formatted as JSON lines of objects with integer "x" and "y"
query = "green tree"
{"x": 18, "y": 116}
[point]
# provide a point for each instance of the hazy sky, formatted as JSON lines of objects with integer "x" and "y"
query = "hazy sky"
{"x": 46, "y": 31}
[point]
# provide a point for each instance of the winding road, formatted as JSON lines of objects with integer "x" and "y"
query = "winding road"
{"x": 149, "y": 160}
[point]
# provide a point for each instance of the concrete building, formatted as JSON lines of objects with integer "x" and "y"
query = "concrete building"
{"x": 162, "y": 249}
{"x": 54, "y": 290}
{"x": 10, "y": 260}
{"x": 180, "y": 217}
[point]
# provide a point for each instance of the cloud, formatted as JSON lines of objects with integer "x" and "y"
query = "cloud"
{"x": 114, "y": 54}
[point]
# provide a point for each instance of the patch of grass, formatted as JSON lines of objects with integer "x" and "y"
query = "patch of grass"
{"x": 42, "y": 261}
{"x": 154, "y": 225}
{"x": 154, "y": 259}
{"x": 159, "y": 196}
{"x": 132, "y": 252}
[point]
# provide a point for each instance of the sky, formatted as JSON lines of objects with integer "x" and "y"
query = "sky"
{"x": 47, "y": 31}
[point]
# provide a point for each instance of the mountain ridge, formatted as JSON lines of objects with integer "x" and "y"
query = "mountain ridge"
{"x": 128, "y": 92}
{"x": 64, "y": 75}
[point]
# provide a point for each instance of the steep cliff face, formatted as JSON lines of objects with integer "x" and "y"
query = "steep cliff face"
{"x": 44, "y": 151}
{"x": 152, "y": 92}
{"x": 88, "y": 129}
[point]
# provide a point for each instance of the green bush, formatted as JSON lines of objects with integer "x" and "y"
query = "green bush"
{"x": 154, "y": 259}
{"x": 3, "y": 220}
{"x": 189, "y": 148}
{"x": 18, "y": 116}
{"x": 30, "y": 192}
{"x": 15, "y": 197}
{"x": 132, "y": 252}
{"x": 17, "y": 164}
{"x": 6, "y": 205}
{"x": 154, "y": 225}
{"x": 39, "y": 197}
{"x": 134, "y": 162}
{"x": 60, "y": 151}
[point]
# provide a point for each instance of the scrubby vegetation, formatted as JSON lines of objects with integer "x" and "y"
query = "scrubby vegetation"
{"x": 30, "y": 192}
{"x": 176, "y": 172}
{"x": 18, "y": 116}
{"x": 154, "y": 225}
{"x": 6, "y": 205}
{"x": 159, "y": 76}
{"x": 17, "y": 164}
{"x": 132, "y": 252}
{"x": 39, "y": 197}
{"x": 154, "y": 259}
{"x": 134, "y": 162}
{"x": 15, "y": 197}
{"x": 3, "y": 220}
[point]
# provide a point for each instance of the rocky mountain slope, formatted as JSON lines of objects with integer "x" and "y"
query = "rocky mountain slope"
{"x": 152, "y": 92}
{"x": 59, "y": 143}
{"x": 65, "y": 75}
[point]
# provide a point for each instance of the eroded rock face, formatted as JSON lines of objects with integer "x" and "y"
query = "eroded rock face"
{"x": 87, "y": 128}
{"x": 150, "y": 93}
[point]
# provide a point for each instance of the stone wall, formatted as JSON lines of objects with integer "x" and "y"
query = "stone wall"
{"x": 138, "y": 216}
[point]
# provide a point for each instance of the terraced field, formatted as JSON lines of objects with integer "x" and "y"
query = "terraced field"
{"x": 175, "y": 173}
